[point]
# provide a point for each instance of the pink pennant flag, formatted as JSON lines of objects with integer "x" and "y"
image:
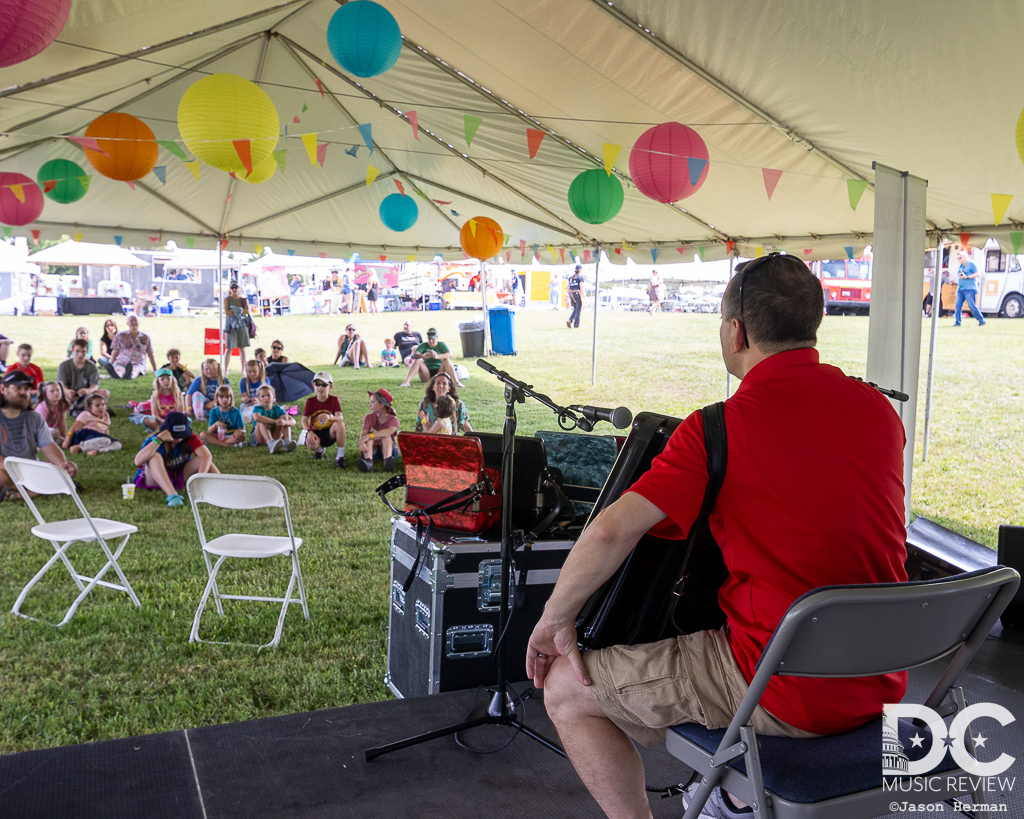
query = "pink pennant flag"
{"x": 154, "y": 238}
{"x": 229, "y": 198}
{"x": 508, "y": 255}
{"x": 244, "y": 150}
{"x": 771, "y": 179}
{"x": 808, "y": 251}
{"x": 319, "y": 86}
{"x": 681, "y": 250}
{"x": 400, "y": 186}
{"x": 586, "y": 257}
{"x": 522, "y": 248}
{"x": 90, "y": 143}
{"x": 321, "y": 153}
{"x": 534, "y": 138}
{"x": 441, "y": 201}
{"x": 323, "y": 254}
{"x": 414, "y": 121}
{"x": 131, "y": 184}
{"x": 296, "y": 119}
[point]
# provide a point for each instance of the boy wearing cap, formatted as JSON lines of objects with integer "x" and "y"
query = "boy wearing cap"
{"x": 23, "y": 432}
{"x": 352, "y": 349}
{"x": 380, "y": 426}
{"x": 172, "y": 456}
{"x": 323, "y": 421}
{"x": 429, "y": 359}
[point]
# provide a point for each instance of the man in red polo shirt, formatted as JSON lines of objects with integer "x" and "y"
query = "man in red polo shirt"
{"x": 776, "y": 522}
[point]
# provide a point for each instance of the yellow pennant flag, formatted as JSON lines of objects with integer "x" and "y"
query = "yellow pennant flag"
{"x": 309, "y": 140}
{"x": 259, "y": 250}
{"x": 78, "y": 237}
{"x": 758, "y": 252}
{"x": 626, "y": 245}
{"x": 194, "y": 168}
{"x": 611, "y": 153}
{"x": 371, "y": 174}
{"x": 551, "y": 250}
{"x": 412, "y": 258}
{"x": 19, "y": 192}
{"x": 1000, "y": 202}
{"x": 472, "y": 228}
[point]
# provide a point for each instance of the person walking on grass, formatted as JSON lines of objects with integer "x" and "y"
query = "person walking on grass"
{"x": 967, "y": 290}
{"x": 575, "y": 297}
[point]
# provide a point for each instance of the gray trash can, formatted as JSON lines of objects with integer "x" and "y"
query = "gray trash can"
{"x": 472, "y": 333}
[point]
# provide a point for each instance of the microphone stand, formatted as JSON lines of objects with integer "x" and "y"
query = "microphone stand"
{"x": 501, "y": 709}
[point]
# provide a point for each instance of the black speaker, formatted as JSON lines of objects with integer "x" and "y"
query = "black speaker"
{"x": 1011, "y": 553}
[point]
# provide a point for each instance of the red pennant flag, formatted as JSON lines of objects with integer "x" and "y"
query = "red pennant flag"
{"x": 808, "y": 251}
{"x": 561, "y": 252}
{"x": 319, "y": 86}
{"x": 49, "y": 185}
{"x": 681, "y": 250}
{"x": 232, "y": 174}
{"x": 618, "y": 251}
{"x": 154, "y": 238}
{"x": 728, "y": 248}
{"x": 223, "y": 244}
{"x": 383, "y": 258}
{"x": 771, "y": 179}
{"x": 965, "y": 238}
{"x": 35, "y": 236}
{"x": 534, "y": 138}
{"x": 323, "y": 255}
{"x": 400, "y": 186}
{"x": 414, "y": 121}
{"x": 243, "y": 148}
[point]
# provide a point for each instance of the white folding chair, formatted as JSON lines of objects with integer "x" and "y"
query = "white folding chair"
{"x": 244, "y": 492}
{"x": 44, "y": 478}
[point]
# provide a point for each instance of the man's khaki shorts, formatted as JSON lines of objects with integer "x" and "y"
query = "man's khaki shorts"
{"x": 645, "y": 689}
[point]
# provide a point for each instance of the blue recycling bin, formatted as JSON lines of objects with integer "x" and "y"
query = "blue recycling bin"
{"x": 503, "y": 329}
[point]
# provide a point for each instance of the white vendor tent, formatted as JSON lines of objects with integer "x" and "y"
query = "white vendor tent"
{"x": 86, "y": 253}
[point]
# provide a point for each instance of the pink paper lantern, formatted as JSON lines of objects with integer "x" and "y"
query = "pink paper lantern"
{"x": 14, "y": 211}
{"x": 29, "y": 26}
{"x": 662, "y": 160}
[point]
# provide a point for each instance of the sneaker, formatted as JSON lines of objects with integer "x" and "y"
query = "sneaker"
{"x": 96, "y": 444}
{"x": 340, "y": 462}
{"x": 289, "y": 446}
{"x": 717, "y": 806}
{"x": 319, "y": 454}
{"x": 364, "y": 465}
{"x": 113, "y": 446}
{"x": 389, "y": 464}
{"x": 175, "y": 500}
{"x": 273, "y": 445}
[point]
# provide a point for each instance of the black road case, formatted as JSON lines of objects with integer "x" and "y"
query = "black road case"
{"x": 443, "y": 631}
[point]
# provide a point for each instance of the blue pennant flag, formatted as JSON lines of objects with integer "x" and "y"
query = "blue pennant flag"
{"x": 161, "y": 173}
{"x": 353, "y": 151}
{"x": 696, "y": 167}
{"x": 654, "y": 255}
{"x": 291, "y": 251}
{"x": 366, "y": 129}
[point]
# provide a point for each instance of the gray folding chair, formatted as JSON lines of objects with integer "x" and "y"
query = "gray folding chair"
{"x": 244, "y": 493}
{"x": 44, "y": 478}
{"x": 848, "y": 631}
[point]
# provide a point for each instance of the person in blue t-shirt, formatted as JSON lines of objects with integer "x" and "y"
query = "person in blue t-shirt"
{"x": 226, "y": 425}
{"x": 967, "y": 290}
{"x": 271, "y": 425}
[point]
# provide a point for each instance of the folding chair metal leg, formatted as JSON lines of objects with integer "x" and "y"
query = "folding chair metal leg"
{"x": 752, "y": 758}
{"x": 58, "y": 555}
{"x": 302, "y": 586}
{"x": 956, "y": 694}
{"x": 210, "y": 584}
{"x": 700, "y": 798}
{"x": 98, "y": 581}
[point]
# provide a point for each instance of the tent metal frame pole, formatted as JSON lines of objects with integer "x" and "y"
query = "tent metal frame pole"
{"x": 219, "y": 290}
{"x": 482, "y": 273}
{"x": 597, "y": 303}
{"x": 933, "y": 343}
{"x": 728, "y": 375}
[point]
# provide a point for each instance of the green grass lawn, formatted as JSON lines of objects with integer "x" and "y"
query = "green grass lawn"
{"x": 118, "y": 671}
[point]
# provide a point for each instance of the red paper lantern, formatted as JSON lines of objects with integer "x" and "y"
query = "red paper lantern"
{"x": 661, "y": 160}
{"x": 129, "y": 142}
{"x": 482, "y": 239}
{"x": 27, "y": 27}
{"x": 15, "y": 209}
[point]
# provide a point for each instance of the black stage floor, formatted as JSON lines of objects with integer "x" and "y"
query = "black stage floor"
{"x": 307, "y": 766}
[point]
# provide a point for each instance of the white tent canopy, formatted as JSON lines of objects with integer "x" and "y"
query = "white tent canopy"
{"x": 86, "y": 253}
{"x": 813, "y": 91}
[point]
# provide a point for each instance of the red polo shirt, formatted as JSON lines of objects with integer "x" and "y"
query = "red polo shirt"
{"x": 801, "y": 507}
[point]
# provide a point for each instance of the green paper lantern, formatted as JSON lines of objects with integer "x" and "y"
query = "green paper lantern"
{"x": 68, "y": 178}
{"x": 595, "y": 197}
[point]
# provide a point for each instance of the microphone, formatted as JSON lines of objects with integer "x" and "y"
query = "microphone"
{"x": 620, "y": 417}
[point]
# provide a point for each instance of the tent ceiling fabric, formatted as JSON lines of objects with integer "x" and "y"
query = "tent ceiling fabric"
{"x": 815, "y": 90}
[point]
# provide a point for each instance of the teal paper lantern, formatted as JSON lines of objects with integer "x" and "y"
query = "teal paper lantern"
{"x": 398, "y": 212}
{"x": 595, "y": 196}
{"x": 67, "y": 177}
{"x": 364, "y": 38}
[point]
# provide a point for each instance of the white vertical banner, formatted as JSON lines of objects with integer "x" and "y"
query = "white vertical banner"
{"x": 897, "y": 281}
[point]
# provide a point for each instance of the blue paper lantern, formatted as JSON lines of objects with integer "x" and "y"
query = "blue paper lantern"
{"x": 398, "y": 212}
{"x": 364, "y": 38}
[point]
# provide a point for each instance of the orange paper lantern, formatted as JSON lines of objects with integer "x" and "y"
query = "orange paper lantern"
{"x": 129, "y": 144}
{"x": 482, "y": 239}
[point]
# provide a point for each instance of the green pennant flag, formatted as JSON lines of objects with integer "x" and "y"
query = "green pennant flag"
{"x": 304, "y": 108}
{"x": 856, "y": 188}
{"x": 701, "y": 250}
{"x": 472, "y": 123}
{"x": 191, "y": 241}
{"x": 84, "y": 182}
{"x": 7, "y": 232}
{"x": 281, "y": 157}
{"x": 1015, "y": 238}
{"x": 173, "y": 147}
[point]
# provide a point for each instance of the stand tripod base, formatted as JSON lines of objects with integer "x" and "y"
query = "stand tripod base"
{"x": 500, "y": 711}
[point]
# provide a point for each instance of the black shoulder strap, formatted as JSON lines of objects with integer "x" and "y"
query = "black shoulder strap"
{"x": 716, "y": 444}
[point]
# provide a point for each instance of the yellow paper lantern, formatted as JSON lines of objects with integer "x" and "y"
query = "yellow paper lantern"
{"x": 262, "y": 172}
{"x": 222, "y": 116}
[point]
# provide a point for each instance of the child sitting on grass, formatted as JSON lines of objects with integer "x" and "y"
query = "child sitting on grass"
{"x": 166, "y": 398}
{"x": 24, "y": 363}
{"x": 389, "y": 355}
{"x": 380, "y": 426}
{"x": 199, "y": 399}
{"x": 91, "y": 431}
{"x": 169, "y": 458}
{"x": 53, "y": 406}
{"x": 271, "y": 425}
{"x": 226, "y": 425}
{"x": 254, "y": 378}
{"x": 182, "y": 374}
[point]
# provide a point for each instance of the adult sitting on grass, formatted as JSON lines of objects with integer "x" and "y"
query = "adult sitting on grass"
{"x": 429, "y": 359}
{"x": 80, "y": 377}
{"x": 172, "y": 456}
{"x": 129, "y": 352}
{"x": 441, "y": 384}
{"x": 352, "y": 350}
{"x": 380, "y": 426}
{"x": 24, "y": 432}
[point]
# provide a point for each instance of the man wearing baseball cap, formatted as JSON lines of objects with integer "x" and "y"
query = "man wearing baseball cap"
{"x": 323, "y": 421}
{"x": 575, "y": 297}
{"x": 380, "y": 426}
{"x": 171, "y": 456}
{"x": 22, "y": 431}
{"x": 429, "y": 359}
